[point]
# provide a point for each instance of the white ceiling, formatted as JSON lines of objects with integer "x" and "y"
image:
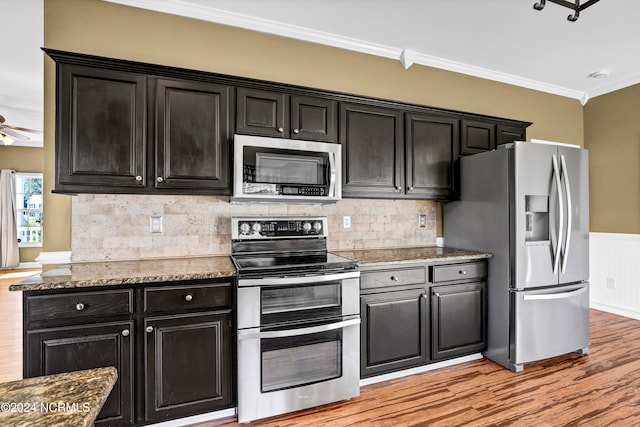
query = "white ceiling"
{"x": 503, "y": 40}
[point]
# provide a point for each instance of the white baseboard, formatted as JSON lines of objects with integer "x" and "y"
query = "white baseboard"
{"x": 633, "y": 314}
{"x": 60, "y": 257}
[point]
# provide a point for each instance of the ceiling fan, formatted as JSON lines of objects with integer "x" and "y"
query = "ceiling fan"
{"x": 8, "y": 134}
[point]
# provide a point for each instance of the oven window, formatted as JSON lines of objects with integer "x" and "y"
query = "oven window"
{"x": 298, "y": 298}
{"x": 300, "y": 360}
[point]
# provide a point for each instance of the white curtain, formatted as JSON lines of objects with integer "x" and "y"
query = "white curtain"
{"x": 9, "y": 254}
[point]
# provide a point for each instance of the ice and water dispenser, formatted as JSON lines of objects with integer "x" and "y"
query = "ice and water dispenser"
{"x": 536, "y": 219}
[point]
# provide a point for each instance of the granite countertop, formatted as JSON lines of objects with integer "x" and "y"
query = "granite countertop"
{"x": 70, "y": 399}
{"x": 115, "y": 273}
{"x": 373, "y": 257}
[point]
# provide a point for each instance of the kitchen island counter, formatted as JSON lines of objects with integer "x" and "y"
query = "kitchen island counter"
{"x": 69, "y": 399}
{"x": 118, "y": 273}
{"x": 429, "y": 254}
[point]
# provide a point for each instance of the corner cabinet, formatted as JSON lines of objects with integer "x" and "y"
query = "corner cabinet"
{"x": 171, "y": 343}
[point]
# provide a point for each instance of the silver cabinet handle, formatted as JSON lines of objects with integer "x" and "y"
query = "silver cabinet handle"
{"x": 79, "y": 306}
{"x": 125, "y": 333}
{"x": 560, "y": 295}
{"x": 138, "y": 178}
{"x": 296, "y": 131}
{"x": 463, "y": 272}
{"x": 280, "y": 129}
{"x": 567, "y": 190}
{"x": 394, "y": 278}
{"x": 160, "y": 179}
{"x": 149, "y": 329}
{"x": 251, "y": 334}
{"x": 188, "y": 297}
{"x": 556, "y": 175}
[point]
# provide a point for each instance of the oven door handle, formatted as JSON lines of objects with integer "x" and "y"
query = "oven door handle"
{"x": 250, "y": 334}
{"x": 298, "y": 280}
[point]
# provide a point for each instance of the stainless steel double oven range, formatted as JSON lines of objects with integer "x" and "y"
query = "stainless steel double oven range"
{"x": 298, "y": 317}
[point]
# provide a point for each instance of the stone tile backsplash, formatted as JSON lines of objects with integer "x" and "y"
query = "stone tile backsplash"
{"x": 113, "y": 227}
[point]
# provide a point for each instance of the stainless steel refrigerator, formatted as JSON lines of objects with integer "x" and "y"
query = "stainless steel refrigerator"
{"x": 528, "y": 204}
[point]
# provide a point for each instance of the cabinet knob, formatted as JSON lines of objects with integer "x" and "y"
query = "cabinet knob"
{"x": 398, "y": 188}
{"x": 149, "y": 329}
{"x": 281, "y": 130}
{"x": 125, "y": 333}
{"x": 188, "y": 297}
{"x": 423, "y": 296}
{"x": 394, "y": 278}
{"x": 437, "y": 294}
{"x": 296, "y": 131}
{"x": 463, "y": 272}
{"x": 138, "y": 178}
{"x": 160, "y": 179}
{"x": 410, "y": 188}
{"x": 79, "y": 306}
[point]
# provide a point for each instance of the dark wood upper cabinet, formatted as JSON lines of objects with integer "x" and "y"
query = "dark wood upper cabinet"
{"x": 508, "y": 134}
{"x": 101, "y": 125}
{"x": 261, "y": 112}
{"x": 314, "y": 119}
{"x": 431, "y": 151}
{"x": 278, "y": 114}
{"x": 477, "y": 137}
{"x": 192, "y": 135}
{"x": 372, "y": 141}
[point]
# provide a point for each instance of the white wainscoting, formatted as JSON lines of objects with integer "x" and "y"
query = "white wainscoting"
{"x": 614, "y": 263}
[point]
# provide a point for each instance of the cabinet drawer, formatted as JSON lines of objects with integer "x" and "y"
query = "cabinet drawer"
{"x": 79, "y": 304}
{"x": 472, "y": 270}
{"x": 394, "y": 277}
{"x": 187, "y": 297}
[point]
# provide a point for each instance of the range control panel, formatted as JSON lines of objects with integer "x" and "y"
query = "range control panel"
{"x": 245, "y": 228}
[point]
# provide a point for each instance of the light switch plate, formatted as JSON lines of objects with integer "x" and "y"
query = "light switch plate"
{"x": 346, "y": 221}
{"x": 422, "y": 221}
{"x": 155, "y": 224}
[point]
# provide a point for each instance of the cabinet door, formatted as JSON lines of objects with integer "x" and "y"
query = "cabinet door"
{"x": 262, "y": 113}
{"x": 188, "y": 364}
{"x": 66, "y": 349}
{"x": 192, "y": 136}
{"x": 100, "y": 129}
{"x": 458, "y": 319}
{"x": 507, "y": 134}
{"x": 372, "y": 151}
{"x": 314, "y": 119}
{"x": 431, "y": 152}
{"x": 393, "y": 331}
{"x": 477, "y": 137}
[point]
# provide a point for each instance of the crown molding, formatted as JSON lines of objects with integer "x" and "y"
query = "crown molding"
{"x": 406, "y": 57}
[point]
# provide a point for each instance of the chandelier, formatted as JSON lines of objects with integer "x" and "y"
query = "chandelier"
{"x": 576, "y": 6}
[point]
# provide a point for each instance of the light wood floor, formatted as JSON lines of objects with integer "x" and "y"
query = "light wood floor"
{"x": 11, "y": 324}
{"x": 599, "y": 389}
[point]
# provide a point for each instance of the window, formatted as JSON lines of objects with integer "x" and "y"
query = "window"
{"x": 29, "y": 208}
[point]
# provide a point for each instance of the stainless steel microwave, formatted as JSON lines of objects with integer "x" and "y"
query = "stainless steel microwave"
{"x": 285, "y": 170}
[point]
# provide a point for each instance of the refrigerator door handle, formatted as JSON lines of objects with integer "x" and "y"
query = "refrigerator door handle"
{"x": 556, "y": 174}
{"x": 560, "y": 295}
{"x": 567, "y": 190}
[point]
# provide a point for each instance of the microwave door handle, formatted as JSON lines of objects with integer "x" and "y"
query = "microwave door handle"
{"x": 556, "y": 174}
{"x": 332, "y": 174}
{"x": 250, "y": 334}
{"x": 567, "y": 190}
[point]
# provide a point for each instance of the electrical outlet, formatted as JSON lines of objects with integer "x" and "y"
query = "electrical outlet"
{"x": 155, "y": 224}
{"x": 346, "y": 221}
{"x": 422, "y": 221}
{"x": 611, "y": 283}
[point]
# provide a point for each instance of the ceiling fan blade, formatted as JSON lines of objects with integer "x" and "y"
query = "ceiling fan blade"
{"x": 13, "y": 134}
{"x": 22, "y": 129}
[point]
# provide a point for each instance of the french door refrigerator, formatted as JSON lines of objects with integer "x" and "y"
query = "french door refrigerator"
{"x": 528, "y": 204}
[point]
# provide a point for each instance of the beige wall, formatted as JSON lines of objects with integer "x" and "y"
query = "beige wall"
{"x": 106, "y": 29}
{"x": 23, "y": 159}
{"x": 612, "y": 135}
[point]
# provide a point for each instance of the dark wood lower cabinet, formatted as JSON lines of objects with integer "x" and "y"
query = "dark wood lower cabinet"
{"x": 394, "y": 331}
{"x": 64, "y": 349}
{"x": 458, "y": 319}
{"x": 188, "y": 364}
